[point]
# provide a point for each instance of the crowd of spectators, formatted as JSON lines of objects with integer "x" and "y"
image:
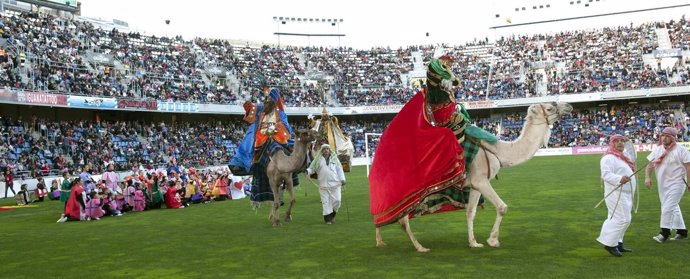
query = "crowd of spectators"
{"x": 42, "y": 147}
{"x": 374, "y": 67}
{"x": 375, "y": 96}
{"x": 47, "y": 53}
{"x": 592, "y": 126}
{"x": 583, "y": 127}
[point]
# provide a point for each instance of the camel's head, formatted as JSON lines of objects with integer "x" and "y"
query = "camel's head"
{"x": 306, "y": 135}
{"x": 549, "y": 111}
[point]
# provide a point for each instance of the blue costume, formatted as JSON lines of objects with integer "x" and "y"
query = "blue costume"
{"x": 266, "y": 134}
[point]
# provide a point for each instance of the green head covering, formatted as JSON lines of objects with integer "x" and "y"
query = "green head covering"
{"x": 439, "y": 69}
{"x": 332, "y": 159}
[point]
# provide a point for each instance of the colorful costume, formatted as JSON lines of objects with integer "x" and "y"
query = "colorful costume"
{"x": 94, "y": 209}
{"x": 268, "y": 133}
{"x": 330, "y": 133}
{"x": 65, "y": 189}
{"x": 112, "y": 181}
{"x": 156, "y": 195}
{"x": 258, "y": 133}
{"x": 129, "y": 195}
{"x": 41, "y": 191}
{"x": 222, "y": 185}
{"x": 75, "y": 209}
{"x": 139, "y": 200}
{"x": 419, "y": 163}
{"x": 171, "y": 198}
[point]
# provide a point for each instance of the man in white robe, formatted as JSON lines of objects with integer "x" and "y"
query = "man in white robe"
{"x": 331, "y": 177}
{"x": 617, "y": 168}
{"x": 671, "y": 163}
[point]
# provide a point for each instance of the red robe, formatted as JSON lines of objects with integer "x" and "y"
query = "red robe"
{"x": 413, "y": 160}
{"x": 170, "y": 200}
{"x": 74, "y": 208}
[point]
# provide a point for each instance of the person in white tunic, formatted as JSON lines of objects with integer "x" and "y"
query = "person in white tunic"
{"x": 671, "y": 163}
{"x": 617, "y": 168}
{"x": 331, "y": 177}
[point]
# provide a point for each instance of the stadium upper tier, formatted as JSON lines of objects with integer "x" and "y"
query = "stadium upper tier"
{"x": 49, "y": 54}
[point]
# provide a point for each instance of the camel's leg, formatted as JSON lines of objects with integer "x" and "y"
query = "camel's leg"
{"x": 484, "y": 187}
{"x": 289, "y": 187}
{"x": 471, "y": 212}
{"x": 379, "y": 240}
{"x": 275, "y": 183}
{"x": 405, "y": 224}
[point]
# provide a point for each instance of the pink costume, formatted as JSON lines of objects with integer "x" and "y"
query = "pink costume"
{"x": 111, "y": 180}
{"x": 112, "y": 203}
{"x": 139, "y": 200}
{"x": 129, "y": 195}
{"x": 94, "y": 209}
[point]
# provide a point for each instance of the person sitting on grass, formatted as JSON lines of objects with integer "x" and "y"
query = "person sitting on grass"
{"x": 156, "y": 192}
{"x": 54, "y": 190}
{"x": 94, "y": 209}
{"x": 41, "y": 191}
{"x": 189, "y": 191}
{"x": 139, "y": 198}
{"x": 109, "y": 203}
{"x": 172, "y": 198}
{"x": 76, "y": 204}
{"x": 22, "y": 197}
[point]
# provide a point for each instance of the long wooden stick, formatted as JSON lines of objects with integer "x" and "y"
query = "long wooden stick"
{"x": 618, "y": 200}
{"x": 620, "y": 185}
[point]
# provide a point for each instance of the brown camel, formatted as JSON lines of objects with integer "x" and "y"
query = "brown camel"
{"x": 281, "y": 167}
{"x": 535, "y": 132}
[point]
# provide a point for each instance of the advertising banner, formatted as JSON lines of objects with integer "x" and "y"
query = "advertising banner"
{"x": 137, "y": 104}
{"x": 666, "y": 53}
{"x": 601, "y": 149}
{"x": 380, "y": 109}
{"x": 99, "y": 58}
{"x": 596, "y": 149}
{"x": 41, "y": 98}
{"x": 479, "y": 104}
{"x": 554, "y": 151}
{"x": 221, "y": 109}
{"x": 91, "y": 102}
{"x": 178, "y": 107}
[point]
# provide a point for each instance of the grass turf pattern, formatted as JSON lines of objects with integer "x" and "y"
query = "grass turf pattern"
{"x": 548, "y": 232}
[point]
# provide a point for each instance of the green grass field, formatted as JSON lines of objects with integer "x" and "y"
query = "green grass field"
{"x": 549, "y": 232}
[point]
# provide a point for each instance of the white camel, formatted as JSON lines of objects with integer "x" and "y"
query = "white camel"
{"x": 489, "y": 161}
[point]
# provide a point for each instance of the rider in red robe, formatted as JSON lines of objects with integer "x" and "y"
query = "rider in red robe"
{"x": 419, "y": 163}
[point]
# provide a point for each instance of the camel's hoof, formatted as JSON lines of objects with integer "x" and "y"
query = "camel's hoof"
{"x": 276, "y": 223}
{"x": 493, "y": 242}
{"x": 288, "y": 218}
{"x": 422, "y": 250}
{"x": 380, "y": 244}
{"x": 476, "y": 245}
